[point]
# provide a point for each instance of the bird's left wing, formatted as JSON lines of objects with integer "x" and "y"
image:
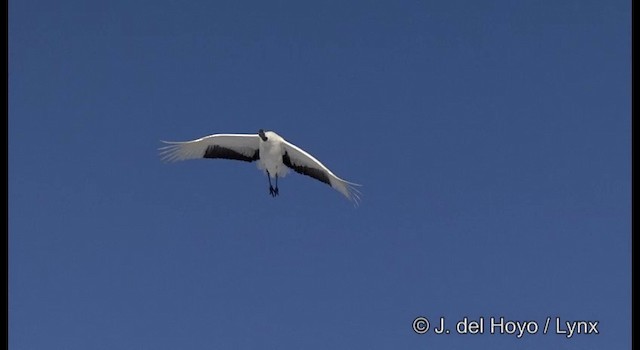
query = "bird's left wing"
{"x": 243, "y": 147}
{"x": 304, "y": 163}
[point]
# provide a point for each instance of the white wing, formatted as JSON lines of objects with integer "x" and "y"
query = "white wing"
{"x": 227, "y": 146}
{"x": 304, "y": 163}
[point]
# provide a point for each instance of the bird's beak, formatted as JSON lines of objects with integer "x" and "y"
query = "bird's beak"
{"x": 262, "y": 135}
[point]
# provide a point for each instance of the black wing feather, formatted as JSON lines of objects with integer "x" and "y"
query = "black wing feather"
{"x": 305, "y": 170}
{"x": 215, "y": 151}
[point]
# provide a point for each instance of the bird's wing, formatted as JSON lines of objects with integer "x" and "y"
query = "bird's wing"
{"x": 304, "y": 163}
{"x": 227, "y": 146}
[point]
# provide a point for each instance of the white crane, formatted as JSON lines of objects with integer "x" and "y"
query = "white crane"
{"x": 274, "y": 155}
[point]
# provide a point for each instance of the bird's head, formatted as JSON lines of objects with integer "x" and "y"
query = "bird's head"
{"x": 262, "y": 135}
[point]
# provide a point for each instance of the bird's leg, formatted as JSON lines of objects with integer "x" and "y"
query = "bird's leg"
{"x": 277, "y": 190}
{"x": 272, "y": 192}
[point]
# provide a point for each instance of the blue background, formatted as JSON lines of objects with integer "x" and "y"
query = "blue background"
{"x": 492, "y": 139}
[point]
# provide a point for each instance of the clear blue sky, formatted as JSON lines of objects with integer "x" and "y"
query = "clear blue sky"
{"x": 492, "y": 139}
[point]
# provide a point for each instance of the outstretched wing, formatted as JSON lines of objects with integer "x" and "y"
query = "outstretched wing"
{"x": 243, "y": 147}
{"x": 304, "y": 163}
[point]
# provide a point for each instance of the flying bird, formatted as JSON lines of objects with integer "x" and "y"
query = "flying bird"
{"x": 274, "y": 155}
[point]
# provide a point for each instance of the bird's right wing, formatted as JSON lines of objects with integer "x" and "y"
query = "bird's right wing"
{"x": 304, "y": 163}
{"x": 245, "y": 147}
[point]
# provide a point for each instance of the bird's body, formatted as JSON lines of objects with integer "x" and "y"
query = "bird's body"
{"x": 271, "y": 152}
{"x": 274, "y": 155}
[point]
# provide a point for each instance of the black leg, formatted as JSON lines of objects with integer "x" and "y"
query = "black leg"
{"x": 277, "y": 190}
{"x": 272, "y": 192}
